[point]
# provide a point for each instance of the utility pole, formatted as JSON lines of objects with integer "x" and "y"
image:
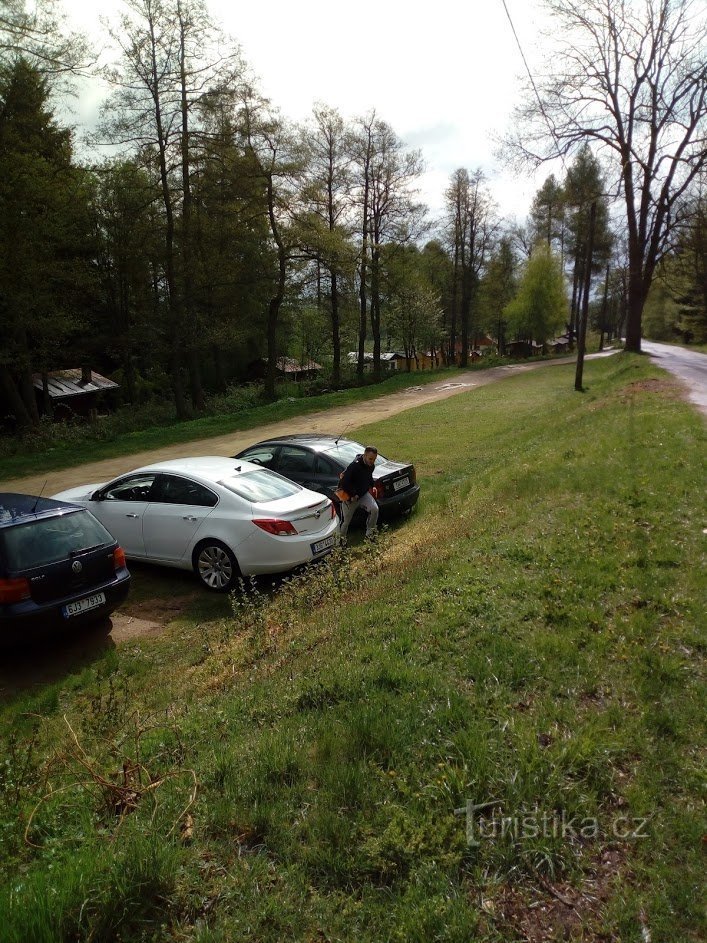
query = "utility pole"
{"x": 582, "y": 333}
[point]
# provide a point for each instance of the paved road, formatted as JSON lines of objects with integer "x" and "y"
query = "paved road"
{"x": 689, "y": 366}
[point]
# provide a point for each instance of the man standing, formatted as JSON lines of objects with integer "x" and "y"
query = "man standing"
{"x": 354, "y": 490}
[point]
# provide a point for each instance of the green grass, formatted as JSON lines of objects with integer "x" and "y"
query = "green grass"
{"x": 532, "y": 636}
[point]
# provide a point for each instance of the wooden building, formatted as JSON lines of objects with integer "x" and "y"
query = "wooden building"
{"x": 73, "y": 392}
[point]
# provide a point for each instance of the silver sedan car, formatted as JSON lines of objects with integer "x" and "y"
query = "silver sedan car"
{"x": 220, "y": 517}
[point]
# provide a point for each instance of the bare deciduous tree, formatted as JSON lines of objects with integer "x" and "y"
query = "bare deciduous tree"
{"x": 630, "y": 78}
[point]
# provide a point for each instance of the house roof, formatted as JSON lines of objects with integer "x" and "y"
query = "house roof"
{"x": 64, "y": 383}
{"x": 352, "y": 356}
{"x": 290, "y": 365}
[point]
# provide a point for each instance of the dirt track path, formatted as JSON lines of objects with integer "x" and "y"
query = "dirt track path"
{"x": 328, "y": 421}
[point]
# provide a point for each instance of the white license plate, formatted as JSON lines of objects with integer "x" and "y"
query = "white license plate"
{"x": 323, "y": 544}
{"x": 400, "y": 483}
{"x": 84, "y": 605}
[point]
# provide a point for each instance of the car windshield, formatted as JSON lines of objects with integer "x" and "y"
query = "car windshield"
{"x": 346, "y": 452}
{"x": 51, "y": 539}
{"x": 262, "y": 485}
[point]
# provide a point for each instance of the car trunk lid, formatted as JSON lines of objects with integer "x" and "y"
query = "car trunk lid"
{"x": 393, "y": 478}
{"x": 70, "y": 577}
{"x": 310, "y": 518}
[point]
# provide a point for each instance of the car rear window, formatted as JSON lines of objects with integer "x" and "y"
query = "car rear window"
{"x": 262, "y": 485}
{"x": 51, "y": 539}
{"x": 346, "y": 452}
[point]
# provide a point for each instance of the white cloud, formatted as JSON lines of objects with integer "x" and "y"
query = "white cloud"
{"x": 444, "y": 75}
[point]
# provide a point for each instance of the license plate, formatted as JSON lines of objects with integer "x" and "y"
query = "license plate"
{"x": 400, "y": 483}
{"x": 84, "y": 605}
{"x": 323, "y": 544}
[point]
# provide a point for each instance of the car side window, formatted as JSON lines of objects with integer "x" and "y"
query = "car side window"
{"x": 325, "y": 467}
{"x": 135, "y": 488}
{"x": 261, "y": 456}
{"x": 173, "y": 489}
{"x": 296, "y": 462}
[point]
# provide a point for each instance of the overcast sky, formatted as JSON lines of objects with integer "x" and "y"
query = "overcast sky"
{"x": 446, "y": 81}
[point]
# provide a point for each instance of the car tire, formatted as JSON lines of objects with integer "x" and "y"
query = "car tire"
{"x": 216, "y": 566}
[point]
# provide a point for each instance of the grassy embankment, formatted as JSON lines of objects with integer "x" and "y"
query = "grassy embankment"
{"x": 290, "y": 769}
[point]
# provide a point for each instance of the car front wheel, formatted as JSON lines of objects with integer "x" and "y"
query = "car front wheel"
{"x": 216, "y": 566}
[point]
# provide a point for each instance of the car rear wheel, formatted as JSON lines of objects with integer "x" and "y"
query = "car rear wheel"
{"x": 216, "y": 566}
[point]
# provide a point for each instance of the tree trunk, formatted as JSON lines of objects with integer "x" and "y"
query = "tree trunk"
{"x": 335, "y": 331}
{"x": 14, "y": 400}
{"x": 634, "y": 310}
{"x": 375, "y": 311}
{"x": 277, "y": 299}
{"x": 582, "y": 333}
{"x": 192, "y": 328}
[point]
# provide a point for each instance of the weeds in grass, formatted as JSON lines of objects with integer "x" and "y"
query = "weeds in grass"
{"x": 108, "y": 709}
{"x": 121, "y": 788}
{"x": 19, "y": 768}
{"x": 249, "y": 606}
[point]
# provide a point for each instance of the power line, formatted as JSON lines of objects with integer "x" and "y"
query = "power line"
{"x": 535, "y": 88}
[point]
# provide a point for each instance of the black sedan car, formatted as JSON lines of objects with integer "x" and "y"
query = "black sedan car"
{"x": 58, "y": 567}
{"x": 316, "y": 462}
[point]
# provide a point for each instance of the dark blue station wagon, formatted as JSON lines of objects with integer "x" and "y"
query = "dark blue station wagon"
{"x": 59, "y": 567}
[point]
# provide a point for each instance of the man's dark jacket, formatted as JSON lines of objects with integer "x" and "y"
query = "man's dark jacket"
{"x": 358, "y": 478}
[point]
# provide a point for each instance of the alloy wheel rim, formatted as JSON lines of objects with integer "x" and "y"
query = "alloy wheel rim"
{"x": 215, "y": 567}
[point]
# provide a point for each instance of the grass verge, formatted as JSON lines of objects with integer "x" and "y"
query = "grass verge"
{"x": 305, "y": 764}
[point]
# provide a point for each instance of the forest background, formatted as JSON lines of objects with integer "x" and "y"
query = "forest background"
{"x": 220, "y": 236}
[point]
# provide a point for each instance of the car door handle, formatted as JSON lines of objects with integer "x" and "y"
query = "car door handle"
{"x": 190, "y": 517}
{"x": 133, "y": 515}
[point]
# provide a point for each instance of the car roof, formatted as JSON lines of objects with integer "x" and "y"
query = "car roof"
{"x": 212, "y": 468}
{"x": 317, "y": 441}
{"x": 19, "y": 508}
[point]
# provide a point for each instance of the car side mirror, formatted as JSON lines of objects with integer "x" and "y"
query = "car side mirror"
{"x": 96, "y": 496}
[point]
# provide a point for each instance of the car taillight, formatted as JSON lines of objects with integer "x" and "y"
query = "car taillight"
{"x": 413, "y": 474}
{"x": 332, "y": 510}
{"x": 273, "y": 526}
{"x": 118, "y": 558}
{"x": 14, "y": 590}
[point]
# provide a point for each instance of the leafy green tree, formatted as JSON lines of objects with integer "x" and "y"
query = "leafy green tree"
{"x": 414, "y": 318}
{"x": 326, "y": 221}
{"x": 170, "y": 62}
{"x": 584, "y": 185}
{"x": 130, "y": 325}
{"x": 436, "y": 266}
{"x": 540, "y": 307}
{"x": 547, "y": 214}
{"x": 471, "y": 222}
{"x": 498, "y": 287}
{"x": 387, "y": 177}
{"x": 46, "y": 239}
{"x": 276, "y": 161}
{"x": 233, "y": 244}
{"x": 677, "y": 303}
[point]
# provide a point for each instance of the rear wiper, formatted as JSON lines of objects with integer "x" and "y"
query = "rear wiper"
{"x": 76, "y": 553}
